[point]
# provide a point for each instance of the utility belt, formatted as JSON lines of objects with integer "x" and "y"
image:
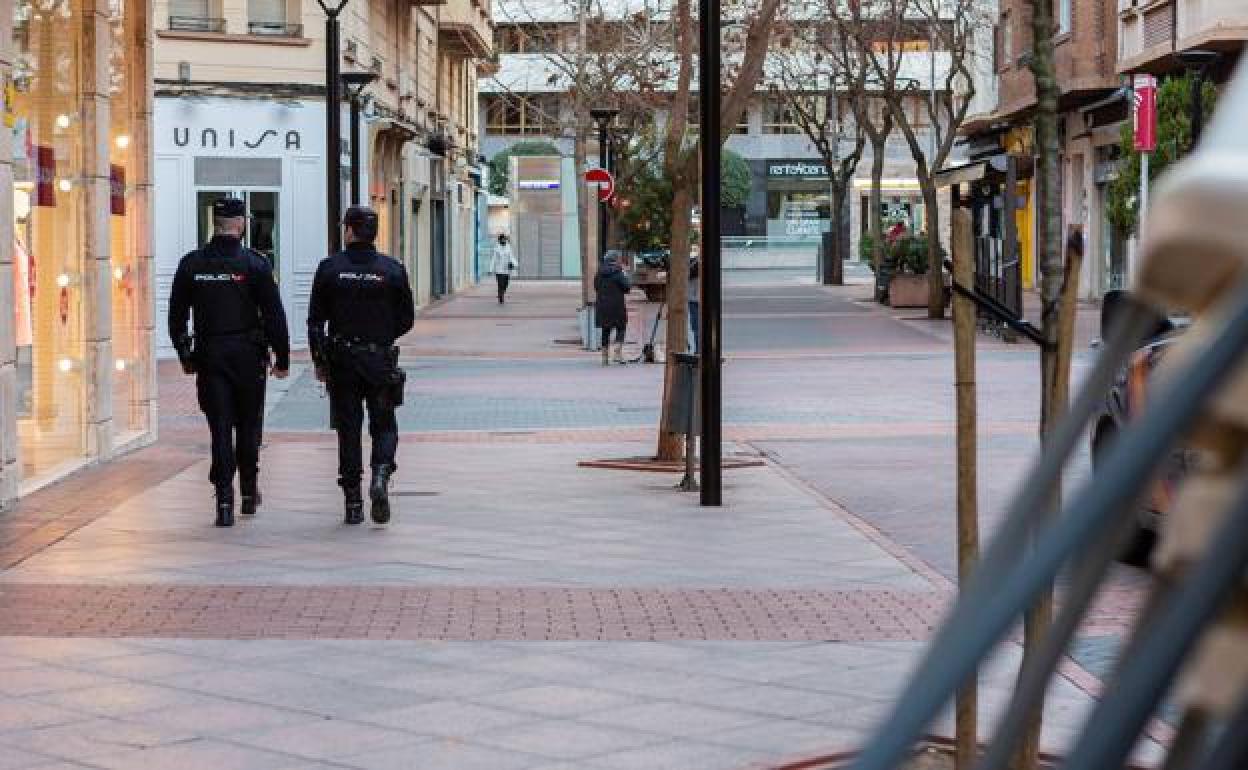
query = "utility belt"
{"x": 395, "y": 378}
{"x": 344, "y": 345}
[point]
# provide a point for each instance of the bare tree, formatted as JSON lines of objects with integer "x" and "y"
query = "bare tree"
{"x": 750, "y": 31}
{"x": 818, "y": 116}
{"x": 839, "y": 41}
{"x": 887, "y": 32}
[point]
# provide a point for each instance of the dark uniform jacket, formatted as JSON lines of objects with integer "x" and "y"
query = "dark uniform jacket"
{"x": 611, "y": 284}
{"x": 230, "y": 292}
{"x": 363, "y": 295}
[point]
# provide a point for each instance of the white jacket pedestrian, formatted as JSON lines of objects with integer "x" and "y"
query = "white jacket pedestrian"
{"x": 503, "y": 265}
{"x": 503, "y": 261}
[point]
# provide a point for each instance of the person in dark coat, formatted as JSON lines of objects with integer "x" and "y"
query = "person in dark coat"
{"x": 229, "y": 294}
{"x": 611, "y": 285}
{"x": 361, "y": 304}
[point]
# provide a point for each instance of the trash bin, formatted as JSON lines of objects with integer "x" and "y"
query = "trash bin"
{"x": 683, "y": 417}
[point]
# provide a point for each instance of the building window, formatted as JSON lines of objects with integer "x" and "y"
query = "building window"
{"x": 512, "y": 115}
{"x": 1061, "y": 16}
{"x": 743, "y": 124}
{"x": 779, "y": 116}
{"x": 272, "y": 17}
{"x": 62, "y": 306}
{"x": 196, "y": 16}
{"x": 527, "y": 38}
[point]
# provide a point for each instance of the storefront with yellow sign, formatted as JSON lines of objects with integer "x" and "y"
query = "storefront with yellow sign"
{"x": 76, "y": 367}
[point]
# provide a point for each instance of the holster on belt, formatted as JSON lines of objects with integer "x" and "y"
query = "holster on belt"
{"x": 396, "y": 378}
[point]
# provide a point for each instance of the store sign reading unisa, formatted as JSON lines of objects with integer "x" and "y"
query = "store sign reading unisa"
{"x": 210, "y": 139}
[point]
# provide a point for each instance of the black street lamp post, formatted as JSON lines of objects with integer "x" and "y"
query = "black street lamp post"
{"x": 709, "y": 272}
{"x": 603, "y": 116}
{"x": 1198, "y": 62}
{"x": 333, "y": 125}
{"x": 355, "y": 83}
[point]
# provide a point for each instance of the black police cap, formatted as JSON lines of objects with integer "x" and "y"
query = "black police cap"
{"x": 229, "y": 207}
{"x": 360, "y": 215}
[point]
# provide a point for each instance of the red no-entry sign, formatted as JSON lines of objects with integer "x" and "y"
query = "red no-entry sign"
{"x": 606, "y": 182}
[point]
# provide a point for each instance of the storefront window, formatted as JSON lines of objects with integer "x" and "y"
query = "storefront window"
{"x": 45, "y": 115}
{"x": 131, "y": 357}
{"x": 906, "y": 209}
{"x": 796, "y": 213}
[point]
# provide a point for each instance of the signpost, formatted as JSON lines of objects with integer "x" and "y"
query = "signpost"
{"x": 1145, "y": 125}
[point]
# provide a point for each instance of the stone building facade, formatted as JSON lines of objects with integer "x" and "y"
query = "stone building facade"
{"x": 77, "y": 377}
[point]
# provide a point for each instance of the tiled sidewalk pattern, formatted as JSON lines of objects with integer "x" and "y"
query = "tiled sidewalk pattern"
{"x": 500, "y": 539}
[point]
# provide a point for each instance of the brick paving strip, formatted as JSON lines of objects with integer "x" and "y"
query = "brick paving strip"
{"x": 465, "y": 613}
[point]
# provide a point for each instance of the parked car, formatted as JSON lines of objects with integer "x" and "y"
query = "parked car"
{"x": 1124, "y": 402}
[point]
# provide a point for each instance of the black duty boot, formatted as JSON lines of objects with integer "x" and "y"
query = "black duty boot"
{"x": 249, "y": 498}
{"x": 379, "y": 493}
{"x": 225, "y": 507}
{"x": 354, "y": 505}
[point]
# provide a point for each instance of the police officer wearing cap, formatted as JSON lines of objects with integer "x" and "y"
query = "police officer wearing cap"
{"x": 230, "y": 293}
{"x": 364, "y": 298}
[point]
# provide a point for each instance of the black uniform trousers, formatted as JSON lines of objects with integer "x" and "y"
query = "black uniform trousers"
{"x": 356, "y": 380}
{"x": 230, "y": 385}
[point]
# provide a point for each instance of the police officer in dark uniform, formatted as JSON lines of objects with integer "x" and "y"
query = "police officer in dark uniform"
{"x": 230, "y": 292}
{"x": 365, "y": 299}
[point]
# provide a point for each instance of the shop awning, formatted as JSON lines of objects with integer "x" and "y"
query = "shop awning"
{"x": 991, "y": 169}
{"x": 976, "y": 171}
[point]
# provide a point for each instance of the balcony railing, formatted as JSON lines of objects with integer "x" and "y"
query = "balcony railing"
{"x": 196, "y": 24}
{"x": 274, "y": 29}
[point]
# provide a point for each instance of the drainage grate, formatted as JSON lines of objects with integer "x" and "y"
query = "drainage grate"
{"x": 413, "y": 493}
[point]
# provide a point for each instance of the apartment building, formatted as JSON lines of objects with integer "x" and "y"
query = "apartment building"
{"x": 1100, "y": 44}
{"x": 1153, "y": 35}
{"x": 1093, "y": 106}
{"x": 240, "y": 110}
{"x": 789, "y": 200}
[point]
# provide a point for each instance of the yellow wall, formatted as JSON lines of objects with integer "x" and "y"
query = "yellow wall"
{"x": 1024, "y": 220}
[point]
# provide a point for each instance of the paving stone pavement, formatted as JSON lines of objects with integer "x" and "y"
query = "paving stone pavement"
{"x": 519, "y": 612}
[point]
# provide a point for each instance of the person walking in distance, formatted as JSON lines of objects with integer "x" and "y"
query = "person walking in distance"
{"x": 361, "y": 303}
{"x": 503, "y": 266}
{"x": 229, "y": 293}
{"x": 611, "y": 285}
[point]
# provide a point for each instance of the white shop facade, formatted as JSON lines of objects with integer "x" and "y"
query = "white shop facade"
{"x": 268, "y": 153}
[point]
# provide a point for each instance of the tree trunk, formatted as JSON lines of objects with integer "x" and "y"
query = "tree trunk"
{"x": 874, "y": 217}
{"x": 580, "y": 152}
{"x": 839, "y": 213}
{"x": 935, "y": 268}
{"x": 588, "y": 264}
{"x": 963, "y": 253}
{"x": 681, "y": 166}
{"x": 671, "y": 445}
{"x": 1049, "y": 247}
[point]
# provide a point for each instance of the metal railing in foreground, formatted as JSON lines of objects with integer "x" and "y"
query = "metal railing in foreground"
{"x": 1196, "y": 621}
